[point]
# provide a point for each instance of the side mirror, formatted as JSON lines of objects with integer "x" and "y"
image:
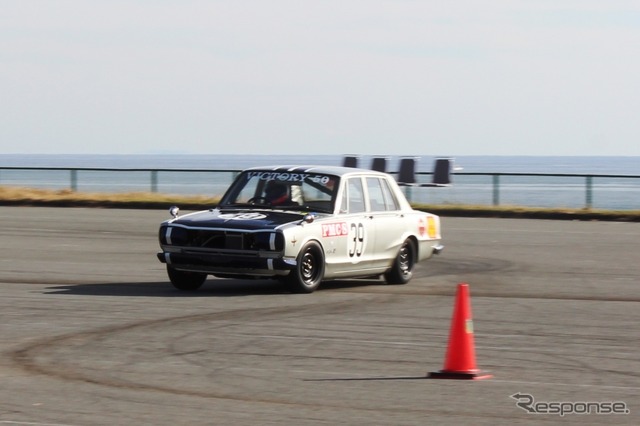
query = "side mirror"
{"x": 173, "y": 211}
{"x": 309, "y": 218}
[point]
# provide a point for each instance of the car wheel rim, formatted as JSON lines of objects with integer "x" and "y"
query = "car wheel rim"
{"x": 309, "y": 269}
{"x": 406, "y": 261}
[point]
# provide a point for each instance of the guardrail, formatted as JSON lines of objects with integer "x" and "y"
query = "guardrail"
{"x": 588, "y": 182}
{"x": 530, "y": 189}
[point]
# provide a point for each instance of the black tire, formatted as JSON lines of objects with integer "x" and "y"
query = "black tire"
{"x": 186, "y": 281}
{"x": 402, "y": 269}
{"x": 309, "y": 270}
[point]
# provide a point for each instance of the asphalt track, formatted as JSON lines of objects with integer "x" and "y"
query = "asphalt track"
{"x": 93, "y": 334}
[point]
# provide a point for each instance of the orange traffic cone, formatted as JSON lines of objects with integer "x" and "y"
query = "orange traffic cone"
{"x": 460, "y": 362}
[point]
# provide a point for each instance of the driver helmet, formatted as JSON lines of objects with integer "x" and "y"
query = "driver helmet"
{"x": 277, "y": 193}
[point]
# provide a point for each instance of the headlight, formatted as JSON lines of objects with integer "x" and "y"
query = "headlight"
{"x": 272, "y": 241}
{"x": 173, "y": 235}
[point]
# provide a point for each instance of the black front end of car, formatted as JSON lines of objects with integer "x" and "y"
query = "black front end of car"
{"x": 218, "y": 243}
{"x": 220, "y": 239}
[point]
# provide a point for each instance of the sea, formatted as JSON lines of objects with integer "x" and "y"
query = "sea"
{"x": 614, "y": 181}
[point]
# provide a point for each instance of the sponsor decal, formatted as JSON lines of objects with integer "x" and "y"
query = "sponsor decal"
{"x": 242, "y": 216}
{"x": 335, "y": 229}
{"x": 432, "y": 228}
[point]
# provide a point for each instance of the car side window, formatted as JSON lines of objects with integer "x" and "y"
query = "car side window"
{"x": 376, "y": 196}
{"x": 390, "y": 200}
{"x": 344, "y": 202}
{"x": 356, "y": 196}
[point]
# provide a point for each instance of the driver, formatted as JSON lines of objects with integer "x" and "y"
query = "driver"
{"x": 277, "y": 193}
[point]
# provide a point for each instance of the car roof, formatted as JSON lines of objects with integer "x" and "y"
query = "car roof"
{"x": 329, "y": 170}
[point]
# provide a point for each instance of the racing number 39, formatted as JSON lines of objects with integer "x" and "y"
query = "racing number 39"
{"x": 356, "y": 239}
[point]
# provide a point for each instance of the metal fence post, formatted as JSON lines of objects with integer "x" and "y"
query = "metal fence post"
{"x": 589, "y": 189}
{"x": 74, "y": 180}
{"x": 496, "y": 190}
{"x": 154, "y": 181}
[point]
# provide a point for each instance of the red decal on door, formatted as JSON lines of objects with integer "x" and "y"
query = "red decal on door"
{"x": 335, "y": 229}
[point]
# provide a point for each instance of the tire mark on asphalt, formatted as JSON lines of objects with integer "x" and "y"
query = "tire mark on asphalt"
{"x": 443, "y": 266}
{"x": 26, "y": 357}
{"x": 479, "y": 292}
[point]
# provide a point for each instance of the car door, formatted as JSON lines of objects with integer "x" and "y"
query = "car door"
{"x": 388, "y": 223}
{"x": 350, "y": 237}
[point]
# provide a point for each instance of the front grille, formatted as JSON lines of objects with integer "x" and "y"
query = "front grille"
{"x": 221, "y": 239}
{"x": 207, "y": 239}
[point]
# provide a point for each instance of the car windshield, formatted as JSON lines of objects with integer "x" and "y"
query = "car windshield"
{"x": 282, "y": 190}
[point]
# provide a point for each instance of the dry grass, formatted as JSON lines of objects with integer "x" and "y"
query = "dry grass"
{"x": 32, "y": 196}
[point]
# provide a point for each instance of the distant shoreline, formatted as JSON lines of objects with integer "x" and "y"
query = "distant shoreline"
{"x": 614, "y": 164}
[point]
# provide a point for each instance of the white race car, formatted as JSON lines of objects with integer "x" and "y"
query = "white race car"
{"x": 303, "y": 225}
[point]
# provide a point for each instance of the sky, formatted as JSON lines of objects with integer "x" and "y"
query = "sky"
{"x": 393, "y": 77}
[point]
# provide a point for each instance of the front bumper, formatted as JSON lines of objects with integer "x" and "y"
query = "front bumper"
{"x": 228, "y": 264}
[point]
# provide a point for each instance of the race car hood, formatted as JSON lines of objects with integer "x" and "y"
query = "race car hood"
{"x": 238, "y": 219}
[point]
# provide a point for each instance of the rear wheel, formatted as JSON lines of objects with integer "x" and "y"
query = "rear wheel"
{"x": 309, "y": 270}
{"x": 187, "y": 281}
{"x": 402, "y": 269}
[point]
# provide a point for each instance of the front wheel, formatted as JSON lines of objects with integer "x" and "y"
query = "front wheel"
{"x": 309, "y": 270}
{"x": 402, "y": 269}
{"x": 187, "y": 281}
